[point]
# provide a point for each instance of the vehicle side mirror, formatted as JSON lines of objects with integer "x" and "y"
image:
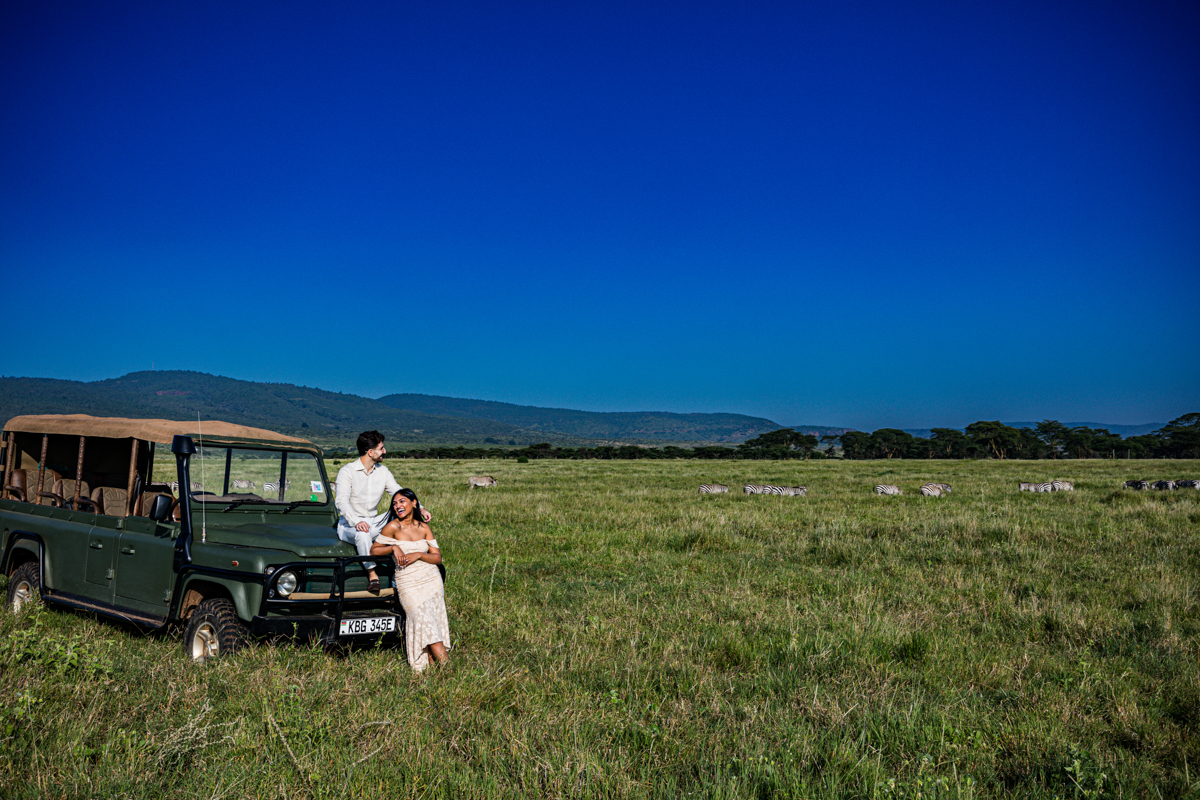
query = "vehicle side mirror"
{"x": 160, "y": 509}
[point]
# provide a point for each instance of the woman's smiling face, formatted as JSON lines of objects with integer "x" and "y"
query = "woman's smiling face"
{"x": 402, "y": 506}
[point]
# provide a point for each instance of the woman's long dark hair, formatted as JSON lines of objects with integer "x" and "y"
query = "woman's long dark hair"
{"x": 417, "y": 514}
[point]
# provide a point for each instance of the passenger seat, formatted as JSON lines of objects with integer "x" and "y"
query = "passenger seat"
{"x": 152, "y": 491}
{"x": 111, "y": 501}
{"x": 64, "y": 494}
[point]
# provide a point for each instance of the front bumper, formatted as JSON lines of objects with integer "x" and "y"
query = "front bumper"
{"x": 315, "y": 614}
{"x": 320, "y": 628}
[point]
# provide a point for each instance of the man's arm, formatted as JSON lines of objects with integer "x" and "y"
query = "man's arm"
{"x": 344, "y": 489}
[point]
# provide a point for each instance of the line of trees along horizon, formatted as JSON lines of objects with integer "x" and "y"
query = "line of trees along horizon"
{"x": 1179, "y": 438}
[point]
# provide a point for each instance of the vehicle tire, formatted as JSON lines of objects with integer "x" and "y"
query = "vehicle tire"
{"x": 25, "y": 585}
{"x": 214, "y": 630}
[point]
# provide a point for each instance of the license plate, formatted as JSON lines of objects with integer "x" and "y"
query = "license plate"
{"x": 359, "y": 625}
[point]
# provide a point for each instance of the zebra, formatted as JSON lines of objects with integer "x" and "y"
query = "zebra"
{"x": 1062, "y": 486}
{"x": 238, "y": 483}
{"x": 786, "y": 491}
{"x": 887, "y": 488}
{"x": 755, "y": 488}
{"x": 1136, "y": 485}
{"x": 931, "y": 490}
{"x": 1035, "y": 487}
{"x": 482, "y": 481}
{"x": 1187, "y": 484}
{"x": 713, "y": 488}
{"x": 1165, "y": 486}
{"x": 945, "y": 487}
{"x": 273, "y": 486}
{"x": 196, "y": 487}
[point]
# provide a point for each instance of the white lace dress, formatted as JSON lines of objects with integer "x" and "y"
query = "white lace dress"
{"x": 424, "y": 600}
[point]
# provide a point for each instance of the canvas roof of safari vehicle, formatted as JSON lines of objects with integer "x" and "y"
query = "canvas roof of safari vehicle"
{"x": 152, "y": 430}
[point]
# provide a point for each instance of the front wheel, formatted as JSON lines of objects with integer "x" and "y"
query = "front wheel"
{"x": 25, "y": 585}
{"x": 214, "y": 630}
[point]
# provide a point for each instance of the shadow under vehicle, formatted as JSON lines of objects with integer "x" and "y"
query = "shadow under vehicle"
{"x": 224, "y": 529}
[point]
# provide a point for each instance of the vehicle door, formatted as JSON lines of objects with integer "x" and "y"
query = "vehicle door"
{"x": 145, "y": 565}
{"x": 99, "y": 575}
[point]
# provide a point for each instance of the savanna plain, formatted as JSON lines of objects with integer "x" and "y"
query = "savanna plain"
{"x": 616, "y": 634}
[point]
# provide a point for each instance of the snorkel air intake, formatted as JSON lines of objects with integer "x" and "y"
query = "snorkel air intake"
{"x": 183, "y": 447}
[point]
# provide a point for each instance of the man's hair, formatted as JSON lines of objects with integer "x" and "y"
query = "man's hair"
{"x": 369, "y": 440}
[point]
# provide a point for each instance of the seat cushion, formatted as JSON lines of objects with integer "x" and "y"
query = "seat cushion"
{"x": 111, "y": 501}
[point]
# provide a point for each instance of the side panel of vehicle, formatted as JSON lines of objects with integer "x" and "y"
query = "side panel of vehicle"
{"x": 145, "y": 574}
{"x": 65, "y": 539}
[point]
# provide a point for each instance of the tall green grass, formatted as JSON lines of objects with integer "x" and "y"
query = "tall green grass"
{"x": 615, "y": 634}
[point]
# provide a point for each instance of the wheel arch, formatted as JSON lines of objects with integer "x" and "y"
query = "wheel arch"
{"x": 21, "y": 548}
{"x": 198, "y": 588}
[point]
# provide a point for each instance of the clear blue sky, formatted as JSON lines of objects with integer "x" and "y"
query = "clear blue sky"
{"x": 863, "y": 214}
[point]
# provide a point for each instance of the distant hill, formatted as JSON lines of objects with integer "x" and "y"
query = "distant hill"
{"x": 820, "y": 430}
{"x": 652, "y": 425}
{"x": 311, "y": 413}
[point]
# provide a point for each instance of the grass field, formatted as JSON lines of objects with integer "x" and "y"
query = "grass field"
{"x": 618, "y": 635}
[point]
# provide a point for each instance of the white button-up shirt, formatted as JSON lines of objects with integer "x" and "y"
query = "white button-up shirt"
{"x": 359, "y": 491}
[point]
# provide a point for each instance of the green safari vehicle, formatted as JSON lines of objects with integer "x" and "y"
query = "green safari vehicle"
{"x": 226, "y": 530}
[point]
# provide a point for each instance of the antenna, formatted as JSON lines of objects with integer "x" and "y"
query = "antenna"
{"x": 203, "y": 482}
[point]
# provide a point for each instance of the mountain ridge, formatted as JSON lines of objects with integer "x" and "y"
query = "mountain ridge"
{"x": 326, "y": 416}
{"x": 653, "y": 425}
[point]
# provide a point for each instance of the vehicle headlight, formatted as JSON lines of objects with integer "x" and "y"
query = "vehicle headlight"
{"x": 286, "y": 583}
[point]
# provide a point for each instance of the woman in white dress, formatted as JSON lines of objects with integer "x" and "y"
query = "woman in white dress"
{"x": 418, "y": 581}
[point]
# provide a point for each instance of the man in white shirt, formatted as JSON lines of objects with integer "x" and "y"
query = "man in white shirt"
{"x": 360, "y": 486}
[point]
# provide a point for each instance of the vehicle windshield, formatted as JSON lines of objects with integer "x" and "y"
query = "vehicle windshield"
{"x": 246, "y": 475}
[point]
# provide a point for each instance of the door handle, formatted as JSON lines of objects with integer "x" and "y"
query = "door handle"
{"x": 127, "y": 551}
{"x": 96, "y": 545}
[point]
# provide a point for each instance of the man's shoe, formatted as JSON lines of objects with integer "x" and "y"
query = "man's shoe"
{"x": 373, "y": 586}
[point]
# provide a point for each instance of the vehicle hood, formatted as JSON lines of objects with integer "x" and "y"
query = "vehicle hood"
{"x": 306, "y": 541}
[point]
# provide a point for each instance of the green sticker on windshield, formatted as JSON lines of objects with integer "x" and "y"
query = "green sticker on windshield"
{"x": 312, "y": 498}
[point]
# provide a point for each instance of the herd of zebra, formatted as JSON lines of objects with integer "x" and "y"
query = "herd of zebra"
{"x": 1162, "y": 486}
{"x": 756, "y": 488}
{"x": 1052, "y": 486}
{"x": 928, "y": 490}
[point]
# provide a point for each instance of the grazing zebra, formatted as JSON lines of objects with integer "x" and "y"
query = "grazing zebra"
{"x": 787, "y": 491}
{"x": 482, "y": 481}
{"x": 238, "y": 483}
{"x": 1062, "y": 486}
{"x": 945, "y": 487}
{"x": 754, "y": 488}
{"x": 273, "y": 486}
{"x": 713, "y": 488}
{"x": 1137, "y": 485}
{"x": 1165, "y": 486}
{"x": 931, "y": 490}
{"x": 1187, "y": 484}
{"x": 887, "y": 488}
{"x": 1035, "y": 487}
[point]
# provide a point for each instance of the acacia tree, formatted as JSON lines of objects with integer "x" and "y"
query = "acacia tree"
{"x": 782, "y": 443}
{"x": 994, "y": 437}
{"x": 1181, "y": 436}
{"x": 891, "y": 442}
{"x": 950, "y": 442}
{"x": 1054, "y": 434}
{"x": 855, "y": 444}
